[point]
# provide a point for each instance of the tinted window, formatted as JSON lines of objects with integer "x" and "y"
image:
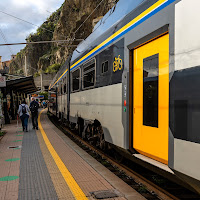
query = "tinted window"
{"x": 89, "y": 76}
{"x": 75, "y": 80}
{"x": 150, "y": 91}
{"x": 104, "y": 67}
{"x": 88, "y": 68}
{"x": 65, "y": 86}
{"x": 58, "y": 88}
{"x": 61, "y": 88}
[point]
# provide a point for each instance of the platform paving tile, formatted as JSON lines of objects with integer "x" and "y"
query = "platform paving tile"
{"x": 10, "y": 195}
{"x": 14, "y": 165}
{"x": 35, "y": 181}
{"x": 62, "y": 189}
{"x": 16, "y": 153}
{"x": 28, "y": 194}
{"x": 88, "y": 178}
{"x": 9, "y": 189}
{"x": 2, "y": 191}
{"x": 12, "y": 185}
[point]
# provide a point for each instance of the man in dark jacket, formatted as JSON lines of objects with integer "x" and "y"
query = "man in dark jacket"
{"x": 34, "y": 105}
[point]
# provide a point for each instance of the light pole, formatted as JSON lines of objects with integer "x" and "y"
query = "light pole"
{"x": 41, "y": 81}
{"x": 26, "y": 66}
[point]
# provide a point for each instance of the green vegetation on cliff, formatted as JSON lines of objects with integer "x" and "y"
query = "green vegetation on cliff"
{"x": 46, "y": 30}
{"x": 53, "y": 68}
{"x": 61, "y": 25}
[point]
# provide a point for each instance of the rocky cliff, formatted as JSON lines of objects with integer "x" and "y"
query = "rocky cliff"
{"x": 64, "y": 24}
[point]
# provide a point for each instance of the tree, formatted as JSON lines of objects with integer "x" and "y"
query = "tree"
{"x": 45, "y": 95}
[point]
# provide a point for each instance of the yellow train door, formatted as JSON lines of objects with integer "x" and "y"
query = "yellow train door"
{"x": 151, "y": 99}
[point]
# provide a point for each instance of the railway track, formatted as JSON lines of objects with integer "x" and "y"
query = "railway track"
{"x": 139, "y": 181}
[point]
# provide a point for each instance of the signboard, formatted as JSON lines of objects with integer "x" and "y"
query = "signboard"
{"x": 2, "y": 81}
{"x": 37, "y": 96}
{"x": 40, "y": 97}
{"x": 53, "y": 95}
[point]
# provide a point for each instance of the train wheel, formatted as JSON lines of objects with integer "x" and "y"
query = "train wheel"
{"x": 80, "y": 126}
{"x": 87, "y": 133}
{"x": 102, "y": 143}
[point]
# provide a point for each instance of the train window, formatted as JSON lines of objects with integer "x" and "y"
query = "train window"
{"x": 58, "y": 89}
{"x": 104, "y": 67}
{"x": 61, "y": 88}
{"x": 65, "y": 88}
{"x": 89, "y": 76}
{"x": 65, "y": 85}
{"x": 76, "y": 80}
{"x": 150, "y": 91}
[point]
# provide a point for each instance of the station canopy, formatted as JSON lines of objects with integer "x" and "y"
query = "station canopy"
{"x": 24, "y": 85}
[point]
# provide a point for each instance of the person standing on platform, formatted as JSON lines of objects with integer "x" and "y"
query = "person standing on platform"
{"x": 44, "y": 104}
{"x": 23, "y": 112}
{"x": 34, "y": 105}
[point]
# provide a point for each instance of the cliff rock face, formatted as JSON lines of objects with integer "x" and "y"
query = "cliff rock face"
{"x": 73, "y": 14}
{"x": 64, "y": 24}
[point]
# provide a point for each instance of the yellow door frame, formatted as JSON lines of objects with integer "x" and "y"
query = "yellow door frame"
{"x": 151, "y": 141}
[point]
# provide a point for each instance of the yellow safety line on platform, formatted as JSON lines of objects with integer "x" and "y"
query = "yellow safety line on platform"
{"x": 74, "y": 187}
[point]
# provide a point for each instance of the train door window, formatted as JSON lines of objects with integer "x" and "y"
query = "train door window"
{"x": 104, "y": 67}
{"x": 61, "y": 88}
{"x": 89, "y": 75}
{"x": 76, "y": 80}
{"x": 150, "y": 91}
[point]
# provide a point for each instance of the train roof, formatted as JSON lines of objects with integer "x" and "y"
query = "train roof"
{"x": 126, "y": 15}
{"x": 113, "y": 17}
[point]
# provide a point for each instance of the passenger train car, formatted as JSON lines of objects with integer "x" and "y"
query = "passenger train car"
{"x": 135, "y": 83}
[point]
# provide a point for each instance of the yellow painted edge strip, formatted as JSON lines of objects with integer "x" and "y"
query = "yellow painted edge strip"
{"x": 74, "y": 187}
{"x": 154, "y": 6}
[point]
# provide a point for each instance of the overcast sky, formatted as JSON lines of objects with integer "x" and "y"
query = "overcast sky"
{"x": 14, "y": 30}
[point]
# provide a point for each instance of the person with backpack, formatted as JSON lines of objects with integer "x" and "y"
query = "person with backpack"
{"x": 23, "y": 112}
{"x": 34, "y": 105}
{"x": 44, "y": 104}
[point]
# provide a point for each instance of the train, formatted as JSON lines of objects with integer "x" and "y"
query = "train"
{"x": 134, "y": 83}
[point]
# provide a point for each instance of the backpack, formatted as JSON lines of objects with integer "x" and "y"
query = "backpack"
{"x": 34, "y": 107}
{"x": 23, "y": 109}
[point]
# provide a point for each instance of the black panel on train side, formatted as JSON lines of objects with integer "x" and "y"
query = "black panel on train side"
{"x": 185, "y": 104}
{"x": 109, "y": 54}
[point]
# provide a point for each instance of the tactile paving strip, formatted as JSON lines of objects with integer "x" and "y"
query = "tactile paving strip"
{"x": 35, "y": 181}
{"x": 62, "y": 189}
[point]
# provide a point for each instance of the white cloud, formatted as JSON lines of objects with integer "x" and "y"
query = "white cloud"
{"x": 34, "y": 11}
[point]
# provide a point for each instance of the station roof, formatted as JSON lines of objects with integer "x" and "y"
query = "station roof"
{"x": 24, "y": 85}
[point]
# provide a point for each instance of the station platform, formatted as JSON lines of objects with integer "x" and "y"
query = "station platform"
{"x": 46, "y": 164}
